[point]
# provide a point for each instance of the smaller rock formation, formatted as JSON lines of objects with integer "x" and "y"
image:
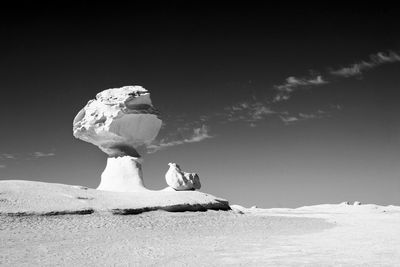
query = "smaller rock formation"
{"x": 356, "y": 203}
{"x": 180, "y": 180}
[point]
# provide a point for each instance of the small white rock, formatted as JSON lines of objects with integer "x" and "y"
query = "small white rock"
{"x": 180, "y": 180}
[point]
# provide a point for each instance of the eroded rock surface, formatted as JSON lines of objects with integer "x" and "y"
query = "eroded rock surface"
{"x": 119, "y": 121}
{"x": 180, "y": 180}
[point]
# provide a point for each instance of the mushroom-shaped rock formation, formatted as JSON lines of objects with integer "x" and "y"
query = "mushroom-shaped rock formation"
{"x": 180, "y": 180}
{"x": 121, "y": 122}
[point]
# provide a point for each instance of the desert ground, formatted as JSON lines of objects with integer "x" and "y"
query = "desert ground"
{"x": 324, "y": 235}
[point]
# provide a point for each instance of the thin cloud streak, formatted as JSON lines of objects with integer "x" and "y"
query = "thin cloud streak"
{"x": 288, "y": 119}
{"x": 39, "y": 154}
{"x": 7, "y": 156}
{"x": 24, "y": 156}
{"x": 198, "y": 135}
{"x": 292, "y": 83}
{"x": 250, "y": 111}
{"x": 256, "y": 111}
{"x": 375, "y": 60}
{"x": 285, "y": 90}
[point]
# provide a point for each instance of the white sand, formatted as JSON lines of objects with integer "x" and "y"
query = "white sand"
{"x": 156, "y": 238}
{"x": 366, "y": 235}
{"x": 323, "y": 235}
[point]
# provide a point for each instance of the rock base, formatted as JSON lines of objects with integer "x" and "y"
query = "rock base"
{"x": 22, "y": 198}
{"x": 122, "y": 174}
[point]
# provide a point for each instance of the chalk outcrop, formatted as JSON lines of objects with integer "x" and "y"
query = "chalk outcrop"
{"x": 37, "y": 198}
{"x": 180, "y": 180}
{"x": 121, "y": 122}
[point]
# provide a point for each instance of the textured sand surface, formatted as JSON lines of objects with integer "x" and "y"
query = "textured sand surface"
{"x": 326, "y": 235}
{"x": 104, "y": 229}
{"x": 364, "y": 235}
{"x": 211, "y": 238}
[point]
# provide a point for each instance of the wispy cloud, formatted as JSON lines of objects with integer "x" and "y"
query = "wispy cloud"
{"x": 7, "y": 156}
{"x": 285, "y": 90}
{"x": 288, "y": 118}
{"x": 39, "y": 154}
{"x": 292, "y": 83}
{"x": 252, "y": 112}
{"x": 308, "y": 116}
{"x": 26, "y": 155}
{"x": 249, "y": 111}
{"x": 374, "y": 60}
{"x": 197, "y": 135}
{"x": 255, "y": 110}
{"x": 2, "y": 166}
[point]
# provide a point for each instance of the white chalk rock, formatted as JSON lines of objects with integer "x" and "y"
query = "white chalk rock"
{"x": 122, "y": 174}
{"x": 119, "y": 121}
{"x": 180, "y": 180}
{"x": 37, "y": 198}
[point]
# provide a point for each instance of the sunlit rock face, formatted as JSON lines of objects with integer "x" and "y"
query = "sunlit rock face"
{"x": 122, "y": 174}
{"x": 121, "y": 122}
{"x": 180, "y": 180}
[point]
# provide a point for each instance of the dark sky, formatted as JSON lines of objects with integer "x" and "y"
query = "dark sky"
{"x": 215, "y": 68}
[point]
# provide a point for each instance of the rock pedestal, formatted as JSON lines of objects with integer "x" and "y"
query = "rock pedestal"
{"x": 122, "y": 174}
